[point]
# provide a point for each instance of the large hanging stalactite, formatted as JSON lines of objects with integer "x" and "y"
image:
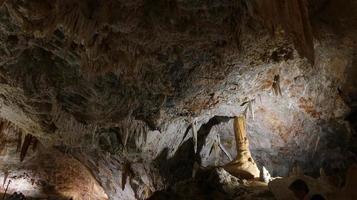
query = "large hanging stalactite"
{"x": 292, "y": 16}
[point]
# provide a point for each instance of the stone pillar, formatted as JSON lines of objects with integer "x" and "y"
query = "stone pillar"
{"x": 243, "y": 165}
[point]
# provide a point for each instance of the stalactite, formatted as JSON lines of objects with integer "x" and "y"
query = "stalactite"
{"x": 276, "y": 86}
{"x": 19, "y": 141}
{"x": 292, "y": 16}
{"x": 249, "y": 108}
{"x": 25, "y": 146}
{"x": 126, "y": 136}
{"x": 34, "y": 143}
{"x": 138, "y": 137}
{"x": 316, "y": 145}
{"x": 127, "y": 173}
{"x": 3, "y": 126}
{"x": 216, "y": 152}
{"x": 224, "y": 149}
{"x": 6, "y": 175}
{"x": 194, "y": 134}
{"x": 145, "y": 135}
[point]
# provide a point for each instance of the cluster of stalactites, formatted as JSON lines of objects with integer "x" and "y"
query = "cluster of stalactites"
{"x": 87, "y": 23}
{"x": 291, "y": 17}
{"x": 24, "y": 141}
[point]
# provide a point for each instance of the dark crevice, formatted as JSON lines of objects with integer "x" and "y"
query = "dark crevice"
{"x": 179, "y": 166}
{"x": 205, "y": 129}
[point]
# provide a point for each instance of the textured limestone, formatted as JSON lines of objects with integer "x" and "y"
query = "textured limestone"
{"x": 120, "y": 81}
{"x": 45, "y": 173}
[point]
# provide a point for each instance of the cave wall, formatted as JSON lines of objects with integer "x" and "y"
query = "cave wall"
{"x": 44, "y": 173}
{"x": 306, "y": 124}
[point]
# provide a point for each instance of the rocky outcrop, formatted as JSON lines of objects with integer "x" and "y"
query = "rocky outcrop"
{"x": 325, "y": 186}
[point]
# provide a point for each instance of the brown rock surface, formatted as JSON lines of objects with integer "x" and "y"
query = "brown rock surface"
{"x": 115, "y": 82}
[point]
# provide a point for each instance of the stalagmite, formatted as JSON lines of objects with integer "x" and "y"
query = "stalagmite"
{"x": 243, "y": 165}
{"x": 265, "y": 175}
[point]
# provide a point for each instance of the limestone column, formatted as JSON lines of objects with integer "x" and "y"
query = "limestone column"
{"x": 243, "y": 165}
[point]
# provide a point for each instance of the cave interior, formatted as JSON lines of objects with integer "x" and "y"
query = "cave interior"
{"x": 178, "y": 99}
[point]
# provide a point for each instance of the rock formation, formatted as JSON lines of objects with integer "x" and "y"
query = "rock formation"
{"x": 322, "y": 186}
{"x": 136, "y": 93}
{"x": 243, "y": 165}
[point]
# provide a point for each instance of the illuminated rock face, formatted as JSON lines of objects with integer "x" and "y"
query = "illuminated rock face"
{"x": 44, "y": 173}
{"x": 117, "y": 84}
